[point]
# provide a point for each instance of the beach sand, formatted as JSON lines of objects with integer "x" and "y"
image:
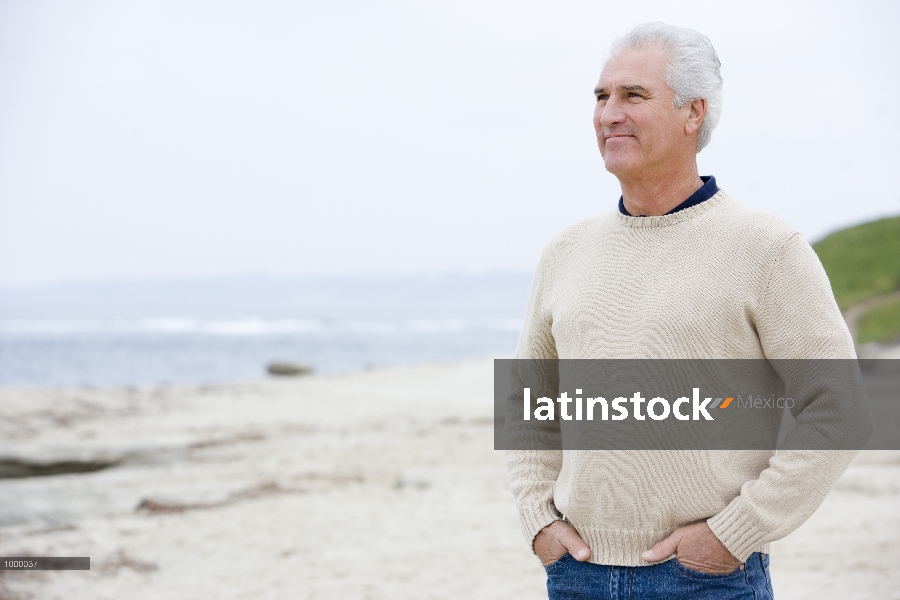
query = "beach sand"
{"x": 381, "y": 484}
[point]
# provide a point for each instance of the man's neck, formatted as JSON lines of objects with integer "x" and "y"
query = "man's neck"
{"x": 657, "y": 197}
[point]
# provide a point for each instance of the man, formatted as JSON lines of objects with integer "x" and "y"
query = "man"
{"x": 680, "y": 271}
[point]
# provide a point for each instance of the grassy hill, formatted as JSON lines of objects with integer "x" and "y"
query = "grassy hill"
{"x": 863, "y": 262}
{"x": 881, "y": 324}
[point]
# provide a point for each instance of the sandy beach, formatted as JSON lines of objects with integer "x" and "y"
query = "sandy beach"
{"x": 380, "y": 484}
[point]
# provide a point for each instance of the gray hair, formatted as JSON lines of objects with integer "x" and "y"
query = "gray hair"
{"x": 692, "y": 71}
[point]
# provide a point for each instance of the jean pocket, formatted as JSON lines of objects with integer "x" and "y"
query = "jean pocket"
{"x": 689, "y": 572}
{"x": 559, "y": 562}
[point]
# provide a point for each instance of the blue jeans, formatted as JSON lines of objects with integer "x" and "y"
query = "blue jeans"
{"x": 568, "y": 579}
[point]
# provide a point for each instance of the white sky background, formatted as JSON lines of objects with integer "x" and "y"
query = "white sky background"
{"x": 180, "y": 139}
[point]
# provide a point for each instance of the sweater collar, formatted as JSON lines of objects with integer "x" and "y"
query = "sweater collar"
{"x": 706, "y": 191}
{"x": 683, "y": 216}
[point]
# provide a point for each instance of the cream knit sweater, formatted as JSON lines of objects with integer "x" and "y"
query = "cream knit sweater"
{"x": 717, "y": 280}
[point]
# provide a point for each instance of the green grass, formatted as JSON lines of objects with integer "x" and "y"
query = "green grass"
{"x": 862, "y": 261}
{"x": 881, "y": 324}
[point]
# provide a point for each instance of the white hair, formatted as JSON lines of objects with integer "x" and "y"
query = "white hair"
{"x": 692, "y": 71}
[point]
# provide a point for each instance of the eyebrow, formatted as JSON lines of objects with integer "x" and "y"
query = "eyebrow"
{"x": 627, "y": 88}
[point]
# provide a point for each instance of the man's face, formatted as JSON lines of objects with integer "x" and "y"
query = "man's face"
{"x": 639, "y": 130}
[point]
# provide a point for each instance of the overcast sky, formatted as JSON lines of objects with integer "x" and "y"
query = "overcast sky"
{"x": 188, "y": 138}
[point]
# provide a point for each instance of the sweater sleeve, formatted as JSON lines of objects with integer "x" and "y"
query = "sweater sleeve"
{"x": 798, "y": 318}
{"x": 532, "y": 473}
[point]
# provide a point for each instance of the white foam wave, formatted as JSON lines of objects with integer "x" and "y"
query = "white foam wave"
{"x": 251, "y": 326}
{"x": 239, "y": 327}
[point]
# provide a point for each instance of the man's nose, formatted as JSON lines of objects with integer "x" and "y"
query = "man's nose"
{"x": 611, "y": 113}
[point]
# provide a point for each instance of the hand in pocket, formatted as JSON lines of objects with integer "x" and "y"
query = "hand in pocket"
{"x": 697, "y": 548}
{"x": 555, "y": 540}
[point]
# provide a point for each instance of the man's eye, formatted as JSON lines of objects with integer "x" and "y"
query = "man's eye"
{"x": 602, "y": 97}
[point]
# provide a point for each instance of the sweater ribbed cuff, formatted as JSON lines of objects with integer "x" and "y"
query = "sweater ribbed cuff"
{"x": 736, "y": 531}
{"x": 534, "y": 518}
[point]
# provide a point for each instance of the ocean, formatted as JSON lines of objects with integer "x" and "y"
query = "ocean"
{"x": 229, "y": 329}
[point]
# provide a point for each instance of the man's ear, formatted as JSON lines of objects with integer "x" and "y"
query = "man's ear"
{"x": 695, "y": 116}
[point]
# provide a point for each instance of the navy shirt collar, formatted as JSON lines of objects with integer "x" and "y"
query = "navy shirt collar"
{"x": 707, "y": 191}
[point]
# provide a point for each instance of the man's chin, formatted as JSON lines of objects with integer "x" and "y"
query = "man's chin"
{"x": 618, "y": 165}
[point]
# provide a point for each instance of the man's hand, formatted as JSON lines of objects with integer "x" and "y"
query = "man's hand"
{"x": 696, "y": 547}
{"x": 557, "y": 538}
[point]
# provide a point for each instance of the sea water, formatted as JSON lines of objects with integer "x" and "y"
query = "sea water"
{"x": 225, "y": 331}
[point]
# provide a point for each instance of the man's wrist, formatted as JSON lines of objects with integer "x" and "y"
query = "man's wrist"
{"x": 535, "y": 517}
{"x": 734, "y": 531}
{"x": 542, "y": 530}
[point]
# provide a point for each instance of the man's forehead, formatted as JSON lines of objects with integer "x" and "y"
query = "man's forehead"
{"x": 643, "y": 67}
